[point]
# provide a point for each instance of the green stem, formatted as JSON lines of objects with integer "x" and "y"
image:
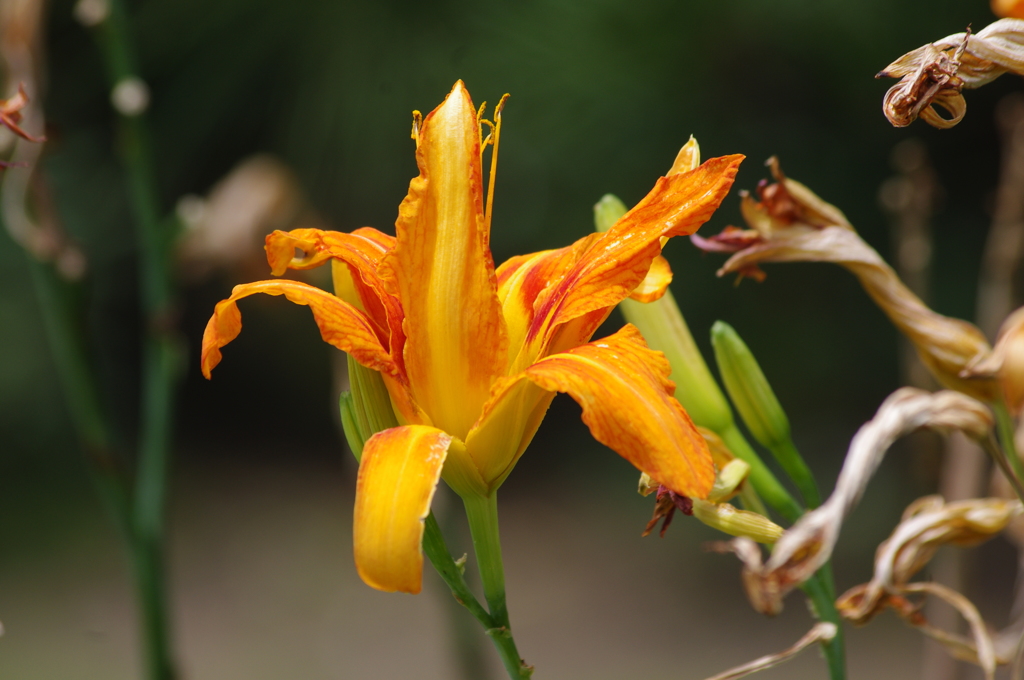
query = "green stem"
{"x": 57, "y": 304}
{"x": 764, "y": 481}
{"x": 1004, "y": 422}
{"x": 823, "y": 601}
{"x": 991, "y": 447}
{"x": 482, "y": 513}
{"x": 793, "y": 463}
{"x": 820, "y": 588}
{"x": 161, "y": 356}
{"x": 437, "y": 552}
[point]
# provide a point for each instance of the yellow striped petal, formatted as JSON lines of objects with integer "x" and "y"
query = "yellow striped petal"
{"x": 398, "y": 474}
{"x": 442, "y": 271}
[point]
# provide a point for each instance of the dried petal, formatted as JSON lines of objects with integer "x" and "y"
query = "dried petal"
{"x": 808, "y": 544}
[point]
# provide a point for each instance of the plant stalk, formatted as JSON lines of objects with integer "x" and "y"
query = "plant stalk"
{"x": 482, "y": 513}
{"x": 161, "y": 354}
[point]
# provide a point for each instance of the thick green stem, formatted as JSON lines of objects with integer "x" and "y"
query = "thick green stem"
{"x": 482, "y": 513}
{"x": 437, "y": 552}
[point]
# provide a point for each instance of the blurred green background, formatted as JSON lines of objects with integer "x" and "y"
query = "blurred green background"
{"x": 603, "y": 95}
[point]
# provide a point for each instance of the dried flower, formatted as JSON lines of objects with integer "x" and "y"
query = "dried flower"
{"x": 934, "y": 74}
{"x": 807, "y": 545}
{"x": 927, "y": 524}
{"x": 792, "y": 224}
{"x": 1006, "y": 362}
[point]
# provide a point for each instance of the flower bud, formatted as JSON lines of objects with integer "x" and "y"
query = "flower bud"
{"x": 734, "y": 522}
{"x": 748, "y": 388}
{"x": 728, "y": 480}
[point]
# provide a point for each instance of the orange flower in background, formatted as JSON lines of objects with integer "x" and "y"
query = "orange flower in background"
{"x": 472, "y": 355}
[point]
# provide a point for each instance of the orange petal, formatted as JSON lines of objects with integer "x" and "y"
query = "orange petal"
{"x": 341, "y": 324}
{"x": 442, "y": 271}
{"x": 398, "y": 474}
{"x": 616, "y": 262}
{"x": 362, "y": 251}
{"x": 281, "y": 245}
{"x": 627, "y": 403}
{"x": 655, "y": 283}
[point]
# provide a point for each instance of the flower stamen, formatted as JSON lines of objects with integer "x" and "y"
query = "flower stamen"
{"x": 417, "y": 123}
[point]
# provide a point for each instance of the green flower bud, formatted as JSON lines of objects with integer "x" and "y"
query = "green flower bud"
{"x": 735, "y": 522}
{"x": 366, "y": 409}
{"x": 748, "y": 388}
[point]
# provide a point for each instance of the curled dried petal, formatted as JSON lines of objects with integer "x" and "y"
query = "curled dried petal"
{"x": 808, "y": 544}
{"x": 934, "y": 74}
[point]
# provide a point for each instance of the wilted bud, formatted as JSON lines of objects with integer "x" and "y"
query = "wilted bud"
{"x": 1006, "y": 363}
{"x": 791, "y": 224}
{"x": 730, "y": 473}
{"x": 748, "y": 388}
{"x": 647, "y": 485}
{"x": 735, "y": 522}
{"x": 1008, "y": 8}
{"x": 935, "y": 73}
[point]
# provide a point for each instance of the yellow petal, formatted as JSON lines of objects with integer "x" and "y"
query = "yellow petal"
{"x": 618, "y": 260}
{"x": 341, "y": 324}
{"x": 627, "y": 403}
{"x": 398, "y": 474}
{"x": 655, "y": 283}
{"x": 442, "y": 271}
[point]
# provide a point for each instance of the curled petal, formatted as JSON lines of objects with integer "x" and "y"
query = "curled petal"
{"x": 281, "y": 245}
{"x": 947, "y": 346}
{"x": 627, "y": 403}
{"x": 398, "y": 474}
{"x": 655, "y": 283}
{"x": 341, "y": 324}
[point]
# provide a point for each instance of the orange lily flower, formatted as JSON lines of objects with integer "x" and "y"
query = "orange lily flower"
{"x": 472, "y": 355}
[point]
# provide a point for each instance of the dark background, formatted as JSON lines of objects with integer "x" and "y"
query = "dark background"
{"x": 603, "y": 95}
